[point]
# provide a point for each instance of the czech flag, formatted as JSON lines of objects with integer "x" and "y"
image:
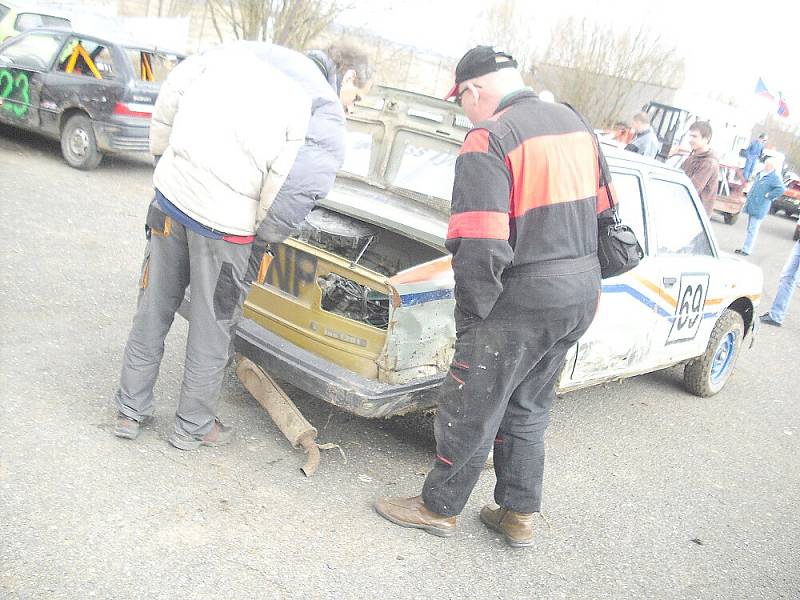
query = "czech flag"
{"x": 783, "y": 108}
{"x": 761, "y": 90}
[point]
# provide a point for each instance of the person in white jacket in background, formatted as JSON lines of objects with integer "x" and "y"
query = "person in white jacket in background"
{"x": 246, "y": 138}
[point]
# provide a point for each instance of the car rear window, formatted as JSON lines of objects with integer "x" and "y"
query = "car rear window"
{"x": 151, "y": 66}
{"x": 26, "y": 21}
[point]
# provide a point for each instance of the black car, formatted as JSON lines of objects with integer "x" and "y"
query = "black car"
{"x": 94, "y": 94}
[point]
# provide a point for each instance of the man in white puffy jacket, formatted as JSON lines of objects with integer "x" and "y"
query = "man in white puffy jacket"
{"x": 247, "y": 137}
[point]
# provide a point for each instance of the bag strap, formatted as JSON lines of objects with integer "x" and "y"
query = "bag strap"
{"x": 601, "y": 162}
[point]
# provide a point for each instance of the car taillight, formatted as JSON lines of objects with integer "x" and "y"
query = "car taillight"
{"x": 132, "y": 109}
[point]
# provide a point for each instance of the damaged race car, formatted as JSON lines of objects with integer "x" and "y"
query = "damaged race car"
{"x": 357, "y": 307}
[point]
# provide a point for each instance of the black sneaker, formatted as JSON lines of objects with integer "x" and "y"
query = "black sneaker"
{"x": 742, "y": 252}
{"x": 767, "y": 320}
{"x": 128, "y": 428}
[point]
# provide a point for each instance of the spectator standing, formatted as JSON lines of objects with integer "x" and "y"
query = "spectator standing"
{"x": 645, "y": 142}
{"x": 529, "y": 182}
{"x": 766, "y": 188}
{"x": 702, "y": 166}
{"x": 790, "y": 279}
{"x": 752, "y": 154}
{"x": 231, "y": 174}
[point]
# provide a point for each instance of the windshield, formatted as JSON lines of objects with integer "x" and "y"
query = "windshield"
{"x": 423, "y": 165}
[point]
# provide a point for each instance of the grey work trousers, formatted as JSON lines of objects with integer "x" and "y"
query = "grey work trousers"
{"x": 176, "y": 257}
{"x": 499, "y": 389}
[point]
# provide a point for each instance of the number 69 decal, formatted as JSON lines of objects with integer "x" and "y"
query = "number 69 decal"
{"x": 689, "y": 311}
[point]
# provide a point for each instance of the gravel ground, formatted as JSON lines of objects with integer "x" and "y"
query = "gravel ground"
{"x": 649, "y": 492}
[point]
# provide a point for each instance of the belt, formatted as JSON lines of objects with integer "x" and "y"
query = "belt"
{"x": 560, "y": 266}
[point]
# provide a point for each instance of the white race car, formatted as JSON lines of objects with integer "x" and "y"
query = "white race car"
{"x": 357, "y": 308}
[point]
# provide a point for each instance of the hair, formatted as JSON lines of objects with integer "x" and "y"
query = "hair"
{"x": 762, "y": 136}
{"x": 621, "y": 125}
{"x": 703, "y": 128}
{"x": 642, "y": 117}
{"x": 348, "y": 57}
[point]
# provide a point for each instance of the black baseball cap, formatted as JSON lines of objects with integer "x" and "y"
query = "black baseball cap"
{"x": 481, "y": 60}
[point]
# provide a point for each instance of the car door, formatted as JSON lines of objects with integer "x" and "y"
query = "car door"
{"x": 619, "y": 341}
{"x": 85, "y": 75}
{"x": 23, "y": 64}
{"x": 685, "y": 257}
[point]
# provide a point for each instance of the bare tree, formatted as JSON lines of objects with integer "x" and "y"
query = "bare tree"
{"x": 292, "y": 23}
{"x": 504, "y": 24}
{"x": 602, "y": 68}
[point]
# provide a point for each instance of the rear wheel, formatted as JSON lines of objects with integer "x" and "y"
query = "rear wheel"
{"x": 730, "y": 219}
{"x": 773, "y": 210}
{"x": 78, "y": 143}
{"x": 707, "y": 374}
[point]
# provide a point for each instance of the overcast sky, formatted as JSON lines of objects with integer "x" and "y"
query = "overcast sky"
{"x": 727, "y": 45}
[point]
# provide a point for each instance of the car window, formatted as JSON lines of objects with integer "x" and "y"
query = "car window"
{"x": 679, "y": 227}
{"x": 33, "y": 51}
{"x": 423, "y": 165}
{"x": 151, "y": 66}
{"x": 87, "y": 59}
{"x": 358, "y": 152}
{"x": 629, "y": 203}
{"x": 26, "y": 21}
{"x": 3, "y": 11}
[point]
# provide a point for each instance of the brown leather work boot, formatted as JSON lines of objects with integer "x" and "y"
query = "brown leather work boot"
{"x": 411, "y": 512}
{"x": 516, "y": 527}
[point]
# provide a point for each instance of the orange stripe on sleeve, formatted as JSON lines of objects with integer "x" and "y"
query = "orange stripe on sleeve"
{"x": 479, "y": 224}
{"x": 477, "y": 140}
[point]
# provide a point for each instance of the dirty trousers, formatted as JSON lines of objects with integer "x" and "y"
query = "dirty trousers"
{"x": 499, "y": 390}
{"x": 174, "y": 258}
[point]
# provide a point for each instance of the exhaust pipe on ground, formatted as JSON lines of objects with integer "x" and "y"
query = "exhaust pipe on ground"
{"x": 288, "y": 418}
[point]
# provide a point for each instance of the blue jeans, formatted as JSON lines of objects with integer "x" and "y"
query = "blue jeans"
{"x": 790, "y": 279}
{"x": 752, "y": 233}
{"x": 749, "y": 163}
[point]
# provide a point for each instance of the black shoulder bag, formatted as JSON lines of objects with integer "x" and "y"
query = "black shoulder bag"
{"x": 618, "y": 250}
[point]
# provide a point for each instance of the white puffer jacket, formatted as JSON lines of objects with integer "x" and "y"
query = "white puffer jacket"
{"x": 229, "y": 126}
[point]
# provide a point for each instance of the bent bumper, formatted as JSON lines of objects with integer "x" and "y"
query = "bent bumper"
{"x": 330, "y": 382}
{"x": 122, "y": 137}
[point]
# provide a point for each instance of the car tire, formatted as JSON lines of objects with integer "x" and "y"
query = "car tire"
{"x": 773, "y": 210}
{"x": 796, "y": 236}
{"x": 79, "y": 144}
{"x": 730, "y": 219}
{"x": 707, "y": 374}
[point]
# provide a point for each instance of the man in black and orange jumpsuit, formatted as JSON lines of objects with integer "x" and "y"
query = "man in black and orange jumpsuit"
{"x": 523, "y": 234}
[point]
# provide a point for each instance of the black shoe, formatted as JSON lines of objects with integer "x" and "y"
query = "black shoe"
{"x": 767, "y": 320}
{"x": 742, "y": 252}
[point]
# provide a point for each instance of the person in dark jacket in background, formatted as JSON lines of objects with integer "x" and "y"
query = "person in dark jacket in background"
{"x": 752, "y": 154}
{"x": 702, "y": 166}
{"x": 231, "y": 179}
{"x": 646, "y": 142}
{"x": 529, "y": 182}
{"x": 766, "y": 188}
